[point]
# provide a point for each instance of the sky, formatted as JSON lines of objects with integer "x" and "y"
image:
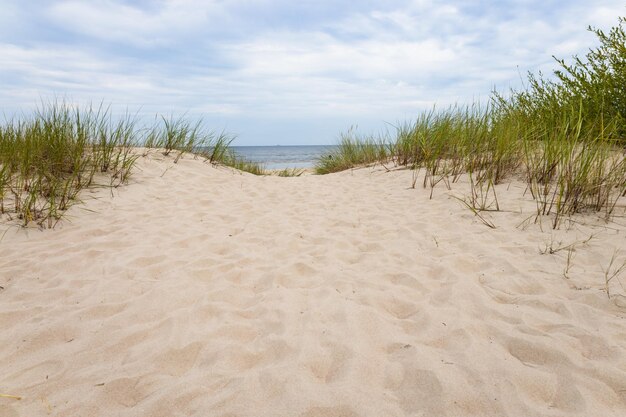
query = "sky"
{"x": 284, "y": 71}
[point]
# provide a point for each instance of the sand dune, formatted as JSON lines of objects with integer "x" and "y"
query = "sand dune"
{"x": 201, "y": 291}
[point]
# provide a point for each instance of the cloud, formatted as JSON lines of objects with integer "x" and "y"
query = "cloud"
{"x": 318, "y": 54}
{"x": 246, "y": 63}
{"x": 114, "y": 21}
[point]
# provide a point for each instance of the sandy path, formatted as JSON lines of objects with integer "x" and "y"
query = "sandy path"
{"x": 202, "y": 291}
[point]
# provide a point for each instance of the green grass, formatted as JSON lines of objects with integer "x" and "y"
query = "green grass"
{"x": 48, "y": 158}
{"x": 290, "y": 172}
{"x": 565, "y": 137}
{"x": 233, "y": 160}
{"x": 181, "y": 136}
{"x": 216, "y": 149}
{"x": 352, "y": 151}
{"x": 45, "y": 160}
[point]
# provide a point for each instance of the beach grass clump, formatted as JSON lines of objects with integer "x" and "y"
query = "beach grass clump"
{"x": 46, "y": 159}
{"x": 596, "y": 83}
{"x": 290, "y": 172}
{"x": 572, "y": 157}
{"x": 565, "y": 137}
{"x": 241, "y": 164}
{"x": 233, "y": 160}
{"x": 216, "y": 147}
{"x": 569, "y": 167}
{"x": 182, "y": 136}
{"x": 570, "y": 171}
{"x": 352, "y": 151}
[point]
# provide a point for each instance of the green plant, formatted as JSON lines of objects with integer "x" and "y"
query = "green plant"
{"x": 290, "y": 172}
{"x": 565, "y": 135}
{"x": 613, "y": 273}
{"x": 231, "y": 159}
{"x": 45, "y": 160}
{"x": 352, "y": 151}
{"x": 217, "y": 148}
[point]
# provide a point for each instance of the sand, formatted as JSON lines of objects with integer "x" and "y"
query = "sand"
{"x": 201, "y": 291}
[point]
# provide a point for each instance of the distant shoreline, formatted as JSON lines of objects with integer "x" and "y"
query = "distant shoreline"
{"x": 277, "y": 157}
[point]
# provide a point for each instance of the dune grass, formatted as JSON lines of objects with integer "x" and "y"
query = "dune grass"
{"x": 181, "y": 136}
{"x": 565, "y": 137}
{"x": 352, "y": 151}
{"x": 45, "y": 160}
{"x": 48, "y": 158}
{"x": 235, "y": 161}
{"x": 290, "y": 172}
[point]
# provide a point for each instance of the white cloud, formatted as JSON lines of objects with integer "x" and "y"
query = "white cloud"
{"x": 219, "y": 58}
{"x": 113, "y": 21}
{"x": 317, "y": 54}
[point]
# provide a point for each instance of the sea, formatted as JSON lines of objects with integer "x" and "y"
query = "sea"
{"x": 281, "y": 157}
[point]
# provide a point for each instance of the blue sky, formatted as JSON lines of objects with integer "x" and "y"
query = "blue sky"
{"x": 284, "y": 72}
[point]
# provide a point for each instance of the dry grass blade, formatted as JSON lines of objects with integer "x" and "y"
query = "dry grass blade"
{"x": 611, "y": 273}
{"x": 15, "y": 397}
{"x": 485, "y": 221}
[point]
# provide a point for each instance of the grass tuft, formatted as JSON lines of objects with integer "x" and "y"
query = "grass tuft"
{"x": 352, "y": 151}
{"x": 290, "y": 172}
{"x": 48, "y": 158}
{"x": 45, "y": 160}
{"x": 565, "y": 137}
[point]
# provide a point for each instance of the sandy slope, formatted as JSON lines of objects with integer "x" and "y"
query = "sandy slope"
{"x": 201, "y": 291}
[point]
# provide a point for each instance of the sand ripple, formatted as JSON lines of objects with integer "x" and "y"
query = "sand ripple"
{"x": 201, "y": 291}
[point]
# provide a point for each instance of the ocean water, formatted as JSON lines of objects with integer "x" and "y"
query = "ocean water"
{"x": 280, "y": 157}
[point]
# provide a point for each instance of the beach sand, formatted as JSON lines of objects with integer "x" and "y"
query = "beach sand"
{"x": 201, "y": 291}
